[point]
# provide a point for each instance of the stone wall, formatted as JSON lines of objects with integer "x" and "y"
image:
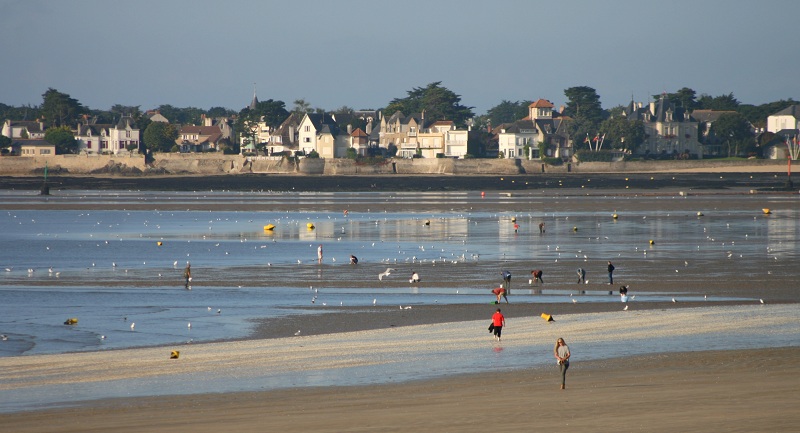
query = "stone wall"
{"x": 214, "y": 164}
{"x": 72, "y": 164}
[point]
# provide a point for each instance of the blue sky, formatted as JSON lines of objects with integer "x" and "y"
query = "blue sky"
{"x": 362, "y": 54}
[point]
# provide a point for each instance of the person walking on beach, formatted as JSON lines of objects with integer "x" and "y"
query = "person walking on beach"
{"x": 610, "y": 273}
{"x": 319, "y": 254}
{"x": 500, "y": 293}
{"x": 187, "y": 274}
{"x": 506, "y": 282}
{"x": 537, "y": 276}
{"x": 581, "y": 275}
{"x": 353, "y": 260}
{"x": 541, "y": 228}
{"x": 499, "y": 321}
{"x": 561, "y": 352}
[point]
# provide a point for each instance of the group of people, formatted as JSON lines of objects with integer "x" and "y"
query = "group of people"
{"x": 560, "y": 351}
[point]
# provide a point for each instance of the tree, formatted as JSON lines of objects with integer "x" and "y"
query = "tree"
{"x": 684, "y": 97}
{"x": 59, "y": 108}
{"x": 721, "y": 103}
{"x": 301, "y": 107}
{"x": 214, "y": 112}
{"x": 61, "y": 137}
{"x": 438, "y": 103}
{"x": 160, "y": 137}
{"x": 735, "y": 130}
{"x": 621, "y": 133}
{"x": 183, "y": 116}
{"x": 4, "y": 142}
{"x": 584, "y": 102}
{"x": 507, "y": 111}
{"x": 273, "y": 113}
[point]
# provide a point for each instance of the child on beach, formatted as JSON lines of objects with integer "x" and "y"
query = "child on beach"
{"x": 537, "y": 276}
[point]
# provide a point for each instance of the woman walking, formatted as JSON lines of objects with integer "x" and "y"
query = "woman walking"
{"x": 561, "y": 352}
{"x": 498, "y": 320}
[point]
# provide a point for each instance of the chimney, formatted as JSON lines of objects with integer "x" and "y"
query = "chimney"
{"x": 349, "y": 129}
{"x": 653, "y": 108}
{"x": 369, "y": 127}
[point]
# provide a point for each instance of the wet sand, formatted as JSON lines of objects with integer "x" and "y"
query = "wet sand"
{"x": 738, "y": 390}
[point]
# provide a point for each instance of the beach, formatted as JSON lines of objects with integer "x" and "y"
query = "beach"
{"x": 715, "y": 358}
{"x": 731, "y": 390}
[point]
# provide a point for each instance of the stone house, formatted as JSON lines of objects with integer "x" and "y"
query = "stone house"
{"x": 542, "y": 125}
{"x": 669, "y": 129}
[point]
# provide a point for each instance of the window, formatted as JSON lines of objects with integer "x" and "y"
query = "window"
{"x": 307, "y": 139}
{"x": 89, "y": 144}
{"x": 44, "y": 151}
{"x": 308, "y": 128}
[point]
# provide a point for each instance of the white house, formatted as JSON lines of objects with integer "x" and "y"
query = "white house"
{"x": 107, "y": 138}
{"x": 319, "y": 132}
{"x": 788, "y": 118}
{"x": 23, "y": 129}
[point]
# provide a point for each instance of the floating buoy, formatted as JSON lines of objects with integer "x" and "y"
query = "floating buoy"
{"x": 174, "y": 354}
{"x": 269, "y": 226}
{"x": 427, "y": 222}
{"x": 159, "y": 243}
{"x": 71, "y": 321}
{"x": 766, "y": 211}
{"x": 575, "y": 229}
{"x": 548, "y": 317}
{"x": 483, "y": 194}
{"x": 310, "y": 226}
{"x": 652, "y": 242}
{"x": 513, "y": 219}
{"x": 615, "y": 216}
{"x": 699, "y": 213}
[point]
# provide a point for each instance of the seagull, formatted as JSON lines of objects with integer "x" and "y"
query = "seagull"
{"x": 209, "y": 308}
{"x": 375, "y": 301}
{"x": 219, "y": 311}
{"x": 189, "y": 325}
{"x": 574, "y": 301}
{"x": 673, "y": 300}
{"x": 761, "y": 300}
{"x": 297, "y": 333}
{"x": 625, "y": 309}
{"x": 386, "y": 273}
{"x": 133, "y": 325}
{"x": 4, "y": 337}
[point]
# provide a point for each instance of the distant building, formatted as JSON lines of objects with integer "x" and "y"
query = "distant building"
{"x": 669, "y": 129}
{"x": 199, "y": 138}
{"x": 95, "y": 137}
{"x": 32, "y": 148}
{"x": 24, "y": 129}
{"x": 542, "y": 125}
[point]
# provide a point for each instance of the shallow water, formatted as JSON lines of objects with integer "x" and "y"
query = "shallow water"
{"x": 105, "y": 267}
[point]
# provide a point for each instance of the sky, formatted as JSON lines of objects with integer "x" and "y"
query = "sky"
{"x": 363, "y": 54}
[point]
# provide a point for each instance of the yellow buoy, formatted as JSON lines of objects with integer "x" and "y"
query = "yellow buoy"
{"x": 159, "y": 243}
{"x": 174, "y": 354}
{"x": 269, "y": 226}
{"x": 615, "y": 216}
{"x": 652, "y": 242}
{"x": 548, "y": 317}
{"x": 699, "y": 213}
{"x": 575, "y": 229}
{"x": 766, "y": 211}
{"x": 310, "y": 226}
{"x": 71, "y": 321}
{"x": 513, "y": 219}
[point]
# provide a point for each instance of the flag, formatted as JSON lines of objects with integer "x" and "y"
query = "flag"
{"x": 596, "y": 138}
{"x": 586, "y": 140}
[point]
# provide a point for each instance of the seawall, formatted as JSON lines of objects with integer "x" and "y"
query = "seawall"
{"x": 216, "y": 164}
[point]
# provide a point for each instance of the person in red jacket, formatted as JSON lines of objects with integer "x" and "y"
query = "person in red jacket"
{"x": 500, "y": 293}
{"x": 498, "y": 320}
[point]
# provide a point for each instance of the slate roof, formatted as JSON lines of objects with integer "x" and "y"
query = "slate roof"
{"x": 542, "y": 103}
{"x": 793, "y": 110}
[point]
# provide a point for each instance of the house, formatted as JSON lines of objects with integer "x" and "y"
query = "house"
{"x": 24, "y": 129}
{"x": 199, "y": 138}
{"x": 156, "y": 116}
{"x": 113, "y": 138}
{"x": 284, "y": 138}
{"x": 319, "y": 132}
{"x": 29, "y": 147}
{"x": 542, "y": 125}
{"x": 359, "y": 141}
{"x": 669, "y": 129}
{"x": 786, "y": 119}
